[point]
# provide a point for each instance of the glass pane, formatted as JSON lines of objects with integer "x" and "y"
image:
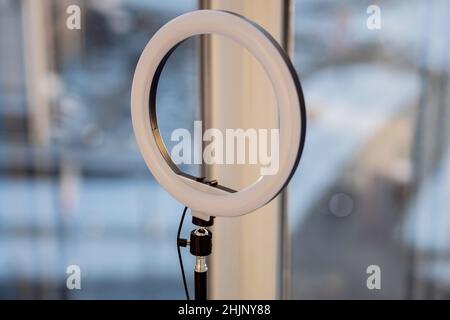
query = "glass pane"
{"x": 74, "y": 189}
{"x": 374, "y": 180}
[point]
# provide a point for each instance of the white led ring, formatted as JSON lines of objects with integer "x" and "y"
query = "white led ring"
{"x": 202, "y": 199}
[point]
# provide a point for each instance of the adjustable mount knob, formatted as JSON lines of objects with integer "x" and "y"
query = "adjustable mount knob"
{"x": 201, "y": 242}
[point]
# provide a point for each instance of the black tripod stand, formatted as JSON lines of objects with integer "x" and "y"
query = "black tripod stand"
{"x": 200, "y": 244}
{"x": 200, "y": 247}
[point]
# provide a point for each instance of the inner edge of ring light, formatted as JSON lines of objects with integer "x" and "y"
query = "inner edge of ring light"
{"x": 154, "y": 123}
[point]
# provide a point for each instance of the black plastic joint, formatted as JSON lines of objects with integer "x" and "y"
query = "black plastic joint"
{"x": 203, "y": 223}
{"x": 182, "y": 242}
{"x": 201, "y": 243}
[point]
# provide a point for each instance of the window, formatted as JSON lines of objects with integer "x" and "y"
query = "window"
{"x": 74, "y": 189}
{"x": 373, "y": 180}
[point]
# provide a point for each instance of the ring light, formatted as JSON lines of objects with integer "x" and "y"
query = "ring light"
{"x": 207, "y": 200}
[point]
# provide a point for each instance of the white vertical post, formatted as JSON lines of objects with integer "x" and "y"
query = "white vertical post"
{"x": 249, "y": 259}
{"x": 38, "y": 58}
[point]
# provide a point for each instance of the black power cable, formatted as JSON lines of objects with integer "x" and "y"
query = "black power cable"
{"x": 182, "y": 243}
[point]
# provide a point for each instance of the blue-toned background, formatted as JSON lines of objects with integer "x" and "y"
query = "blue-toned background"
{"x": 372, "y": 186}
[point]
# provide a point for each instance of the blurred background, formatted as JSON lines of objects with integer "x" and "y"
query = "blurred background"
{"x": 374, "y": 177}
